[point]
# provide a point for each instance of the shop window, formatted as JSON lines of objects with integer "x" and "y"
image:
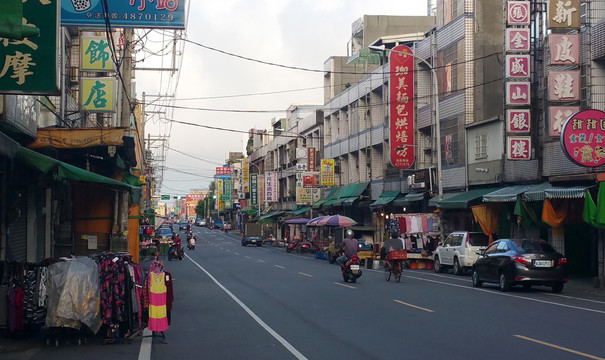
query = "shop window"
{"x": 481, "y": 147}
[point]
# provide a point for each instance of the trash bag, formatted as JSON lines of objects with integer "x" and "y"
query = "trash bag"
{"x": 73, "y": 294}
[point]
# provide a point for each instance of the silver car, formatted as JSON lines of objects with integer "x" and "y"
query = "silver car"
{"x": 459, "y": 251}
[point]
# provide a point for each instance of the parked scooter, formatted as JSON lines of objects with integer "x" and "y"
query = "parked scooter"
{"x": 191, "y": 241}
{"x": 176, "y": 251}
{"x": 351, "y": 271}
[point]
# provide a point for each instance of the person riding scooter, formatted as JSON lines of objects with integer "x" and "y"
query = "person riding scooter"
{"x": 176, "y": 250}
{"x": 350, "y": 245}
{"x": 191, "y": 241}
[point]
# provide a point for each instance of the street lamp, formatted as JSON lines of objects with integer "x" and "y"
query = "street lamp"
{"x": 436, "y": 101}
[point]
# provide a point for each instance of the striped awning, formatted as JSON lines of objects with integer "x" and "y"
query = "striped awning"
{"x": 572, "y": 192}
{"x": 506, "y": 194}
{"x": 536, "y": 193}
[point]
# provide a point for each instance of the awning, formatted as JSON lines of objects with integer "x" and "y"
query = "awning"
{"x": 8, "y": 146}
{"x": 572, "y": 192}
{"x": 249, "y": 210}
{"x": 506, "y": 194}
{"x": 302, "y": 210}
{"x": 64, "y": 170}
{"x": 464, "y": 199}
{"x": 536, "y": 193}
{"x": 350, "y": 200}
{"x": 328, "y": 197}
{"x": 355, "y": 190}
{"x": 409, "y": 198}
{"x": 70, "y": 138}
{"x": 271, "y": 214}
{"x": 384, "y": 199}
{"x": 434, "y": 201}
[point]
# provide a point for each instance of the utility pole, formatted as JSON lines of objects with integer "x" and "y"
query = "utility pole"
{"x": 126, "y": 77}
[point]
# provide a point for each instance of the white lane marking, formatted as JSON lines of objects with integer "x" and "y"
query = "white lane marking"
{"x": 278, "y": 337}
{"x": 248, "y": 257}
{"x": 576, "y": 298}
{"x": 345, "y": 285}
{"x": 414, "y": 306}
{"x": 261, "y": 261}
{"x": 305, "y": 274}
{"x": 236, "y": 253}
{"x": 559, "y": 347}
{"x": 281, "y": 267}
{"x": 145, "y": 349}
{"x": 509, "y": 295}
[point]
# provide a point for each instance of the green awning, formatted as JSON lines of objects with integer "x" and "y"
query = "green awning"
{"x": 355, "y": 190}
{"x": 465, "y": 199}
{"x": 409, "y": 198}
{"x": 384, "y": 199}
{"x": 271, "y": 214}
{"x": 64, "y": 170}
{"x": 506, "y": 194}
{"x": 131, "y": 179}
{"x": 349, "y": 201}
{"x": 250, "y": 210}
{"x": 434, "y": 201}
{"x": 572, "y": 192}
{"x": 330, "y": 195}
{"x": 301, "y": 210}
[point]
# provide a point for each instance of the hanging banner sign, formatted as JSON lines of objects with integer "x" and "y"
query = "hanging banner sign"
{"x": 245, "y": 175}
{"x": 311, "y": 158}
{"x": 223, "y": 172}
{"x": 168, "y": 14}
{"x": 401, "y": 107}
{"x": 583, "y": 138}
{"x": 97, "y": 94}
{"x": 95, "y": 54}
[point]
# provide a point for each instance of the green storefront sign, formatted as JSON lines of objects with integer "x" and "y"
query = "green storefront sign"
{"x": 31, "y": 65}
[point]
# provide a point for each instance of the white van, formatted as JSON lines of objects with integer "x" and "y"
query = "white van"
{"x": 458, "y": 250}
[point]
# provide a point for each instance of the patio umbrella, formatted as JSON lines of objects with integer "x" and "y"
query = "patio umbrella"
{"x": 297, "y": 221}
{"x": 313, "y": 222}
{"x": 336, "y": 220}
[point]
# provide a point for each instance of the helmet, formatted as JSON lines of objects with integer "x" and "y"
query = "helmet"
{"x": 349, "y": 233}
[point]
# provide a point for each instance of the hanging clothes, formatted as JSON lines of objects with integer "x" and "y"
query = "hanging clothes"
{"x": 15, "y": 312}
{"x": 158, "y": 320}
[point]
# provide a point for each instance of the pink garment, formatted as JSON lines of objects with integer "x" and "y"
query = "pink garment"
{"x": 425, "y": 227}
{"x": 408, "y": 223}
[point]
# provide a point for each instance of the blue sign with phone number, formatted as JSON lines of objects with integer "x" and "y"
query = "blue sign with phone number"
{"x": 168, "y": 14}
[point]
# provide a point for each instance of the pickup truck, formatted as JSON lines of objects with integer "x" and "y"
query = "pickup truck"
{"x": 252, "y": 235}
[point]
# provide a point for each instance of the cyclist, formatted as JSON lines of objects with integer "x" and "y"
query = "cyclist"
{"x": 394, "y": 243}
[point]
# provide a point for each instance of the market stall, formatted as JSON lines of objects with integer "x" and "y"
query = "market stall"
{"x": 421, "y": 233}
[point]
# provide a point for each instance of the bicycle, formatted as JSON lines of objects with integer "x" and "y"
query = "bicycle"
{"x": 393, "y": 264}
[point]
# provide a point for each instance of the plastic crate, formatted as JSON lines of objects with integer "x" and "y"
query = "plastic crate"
{"x": 397, "y": 255}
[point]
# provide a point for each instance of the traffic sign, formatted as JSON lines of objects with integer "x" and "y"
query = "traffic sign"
{"x": 165, "y": 197}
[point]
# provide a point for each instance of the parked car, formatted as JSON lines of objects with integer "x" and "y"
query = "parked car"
{"x": 163, "y": 234}
{"x": 200, "y": 222}
{"x": 183, "y": 225}
{"x": 458, "y": 251}
{"x": 526, "y": 262}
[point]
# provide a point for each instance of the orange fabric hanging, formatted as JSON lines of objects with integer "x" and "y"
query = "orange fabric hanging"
{"x": 552, "y": 217}
{"x": 487, "y": 217}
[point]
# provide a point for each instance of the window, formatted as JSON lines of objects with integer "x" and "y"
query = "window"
{"x": 450, "y": 69}
{"x": 481, "y": 146}
{"x": 491, "y": 249}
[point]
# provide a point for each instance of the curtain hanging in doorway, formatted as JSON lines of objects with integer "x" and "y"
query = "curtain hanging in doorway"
{"x": 487, "y": 217}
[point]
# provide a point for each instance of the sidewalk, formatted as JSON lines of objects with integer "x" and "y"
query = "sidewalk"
{"x": 584, "y": 288}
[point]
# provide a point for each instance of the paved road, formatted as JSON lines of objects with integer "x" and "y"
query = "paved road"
{"x": 262, "y": 303}
{"x": 234, "y": 302}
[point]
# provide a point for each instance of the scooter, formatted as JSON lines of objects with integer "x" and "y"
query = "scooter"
{"x": 292, "y": 245}
{"x": 191, "y": 242}
{"x": 175, "y": 251}
{"x": 351, "y": 271}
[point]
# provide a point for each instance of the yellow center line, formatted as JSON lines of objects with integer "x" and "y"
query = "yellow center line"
{"x": 345, "y": 285}
{"x": 305, "y": 274}
{"x": 414, "y": 306}
{"x": 559, "y": 347}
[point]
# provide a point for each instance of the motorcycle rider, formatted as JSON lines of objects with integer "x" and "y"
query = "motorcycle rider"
{"x": 350, "y": 245}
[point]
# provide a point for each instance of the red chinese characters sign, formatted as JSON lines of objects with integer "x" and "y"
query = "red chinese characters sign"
{"x": 583, "y": 138}
{"x": 401, "y": 107}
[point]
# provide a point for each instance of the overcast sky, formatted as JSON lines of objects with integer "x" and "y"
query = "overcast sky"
{"x": 295, "y": 33}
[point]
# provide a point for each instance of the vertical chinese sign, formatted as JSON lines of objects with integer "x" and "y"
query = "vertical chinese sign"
{"x": 563, "y": 64}
{"x": 271, "y": 186}
{"x": 245, "y": 175}
{"x": 254, "y": 190}
{"x": 517, "y": 76}
{"x": 326, "y": 172}
{"x": 401, "y": 107}
{"x": 31, "y": 65}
